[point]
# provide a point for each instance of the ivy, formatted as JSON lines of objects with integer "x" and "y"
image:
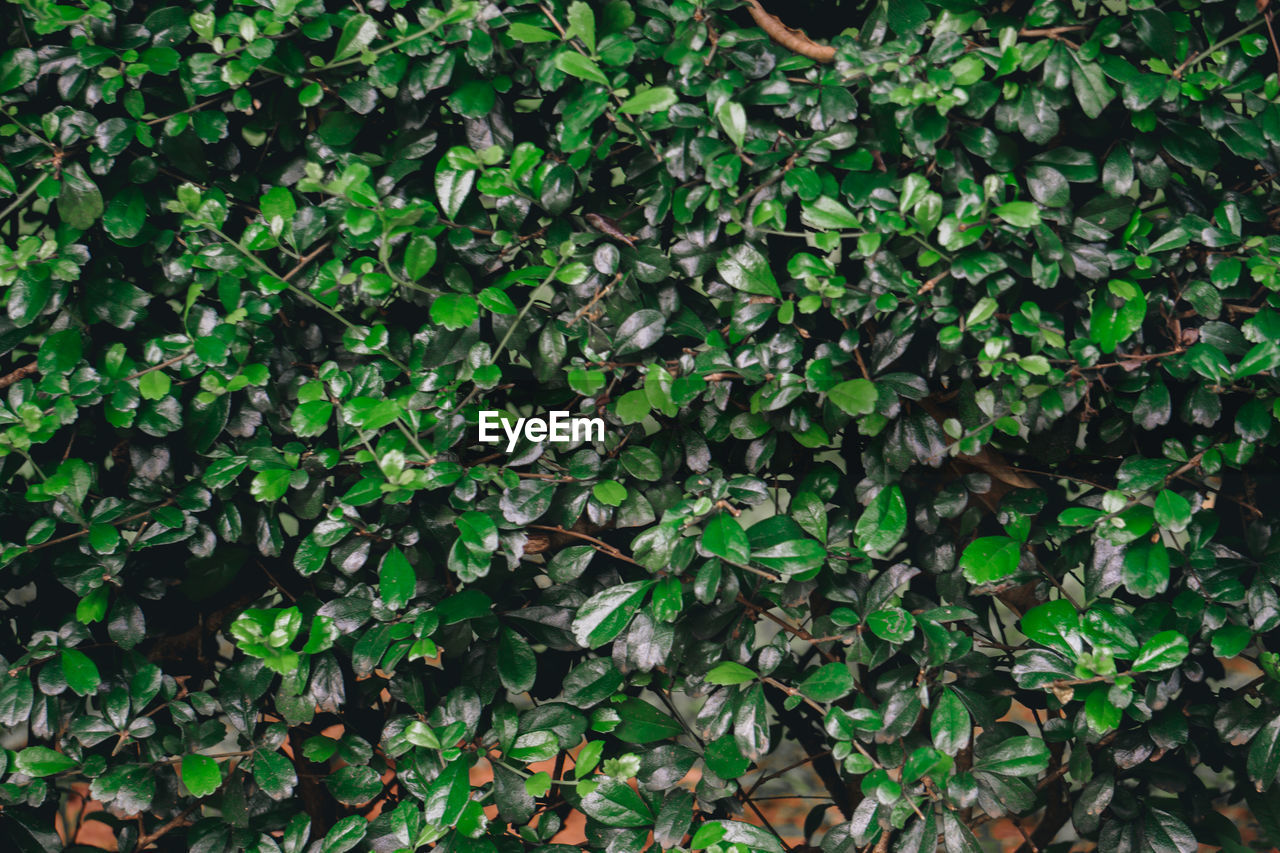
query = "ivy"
{"x": 935, "y": 346}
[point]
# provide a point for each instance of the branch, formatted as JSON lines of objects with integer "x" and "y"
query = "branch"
{"x": 17, "y": 375}
{"x": 793, "y": 40}
{"x": 178, "y": 820}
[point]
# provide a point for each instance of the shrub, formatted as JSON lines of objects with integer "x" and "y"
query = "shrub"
{"x": 938, "y": 367}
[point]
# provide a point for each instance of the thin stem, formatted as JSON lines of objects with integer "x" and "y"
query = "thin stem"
{"x": 413, "y": 440}
{"x": 1196, "y": 57}
{"x": 527, "y": 775}
{"x": 523, "y": 311}
{"x": 343, "y": 63}
{"x": 332, "y": 312}
{"x": 22, "y": 197}
{"x": 117, "y": 523}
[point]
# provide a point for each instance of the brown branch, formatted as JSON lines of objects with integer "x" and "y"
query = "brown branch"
{"x": 794, "y": 630}
{"x": 19, "y": 374}
{"x": 178, "y": 820}
{"x": 1052, "y": 31}
{"x": 793, "y": 40}
{"x": 783, "y": 771}
{"x": 599, "y": 544}
{"x": 85, "y": 532}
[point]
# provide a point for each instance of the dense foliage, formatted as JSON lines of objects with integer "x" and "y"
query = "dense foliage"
{"x": 940, "y": 380}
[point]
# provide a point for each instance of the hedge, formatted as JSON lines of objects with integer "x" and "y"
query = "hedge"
{"x": 936, "y": 351}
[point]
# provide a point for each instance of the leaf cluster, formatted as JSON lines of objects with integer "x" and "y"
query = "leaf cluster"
{"x": 940, "y": 390}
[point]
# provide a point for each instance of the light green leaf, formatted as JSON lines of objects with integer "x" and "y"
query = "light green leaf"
{"x": 724, "y": 537}
{"x": 1023, "y": 214}
{"x": 730, "y": 672}
{"x": 576, "y": 65}
{"x": 990, "y": 558}
{"x": 200, "y": 774}
{"x": 733, "y": 118}
{"x": 396, "y": 579}
{"x": 1163, "y": 651}
{"x": 652, "y": 100}
{"x": 855, "y": 396}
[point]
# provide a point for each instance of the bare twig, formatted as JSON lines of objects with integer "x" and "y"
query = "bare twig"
{"x": 19, "y": 374}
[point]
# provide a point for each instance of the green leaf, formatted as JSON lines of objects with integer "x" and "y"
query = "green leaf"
{"x": 641, "y": 463}
{"x": 1102, "y": 714}
{"x": 615, "y": 803}
{"x": 396, "y": 579}
{"x": 278, "y": 209}
{"x": 1146, "y": 569}
{"x": 1023, "y": 214}
{"x": 354, "y": 785}
{"x": 455, "y": 311}
{"x": 746, "y": 269}
{"x": 907, "y": 16}
{"x": 724, "y": 759}
{"x": 1109, "y": 326}
{"x": 17, "y": 68}
{"x": 576, "y": 65}
{"x": 274, "y": 774}
{"x": 1163, "y": 651}
{"x": 582, "y": 24}
{"x": 80, "y": 201}
{"x": 957, "y": 837}
{"x": 200, "y": 774}
{"x": 751, "y": 723}
{"x": 357, "y": 34}
{"x": 990, "y": 558}
{"x": 827, "y": 683}
{"x": 270, "y": 485}
{"x": 1055, "y": 624}
{"x": 1173, "y": 511}
{"x": 724, "y": 537}
{"x": 826, "y": 214}
{"x": 81, "y": 672}
{"x": 126, "y": 214}
{"x": 950, "y": 725}
{"x": 1016, "y": 756}
{"x": 28, "y": 297}
{"x": 345, "y": 834}
{"x": 1263, "y": 763}
{"x": 311, "y": 418}
{"x": 517, "y": 664}
{"x": 883, "y": 522}
{"x": 730, "y": 672}
{"x": 585, "y": 382}
{"x": 419, "y": 256}
{"x": 452, "y": 187}
{"x": 733, "y": 118}
{"x": 633, "y": 407}
{"x": 38, "y": 761}
{"x": 893, "y": 624}
{"x": 609, "y": 493}
{"x": 643, "y": 723}
{"x": 854, "y": 397}
{"x": 926, "y": 761}
{"x": 1091, "y": 87}
{"x": 154, "y": 385}
{"x": 727, "y": 832}
{"x": 528, "y": 34}
{"x": 603, "y": 616}
{"x": 656, "y": 99}
{"x": 1230, "y": 640}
